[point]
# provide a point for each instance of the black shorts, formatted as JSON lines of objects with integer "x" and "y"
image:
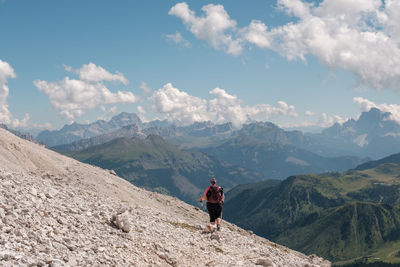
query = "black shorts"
{"x": 215, "y": 210}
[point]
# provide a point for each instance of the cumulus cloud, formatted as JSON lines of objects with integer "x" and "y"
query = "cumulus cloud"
{"x": 146, "y": 89}
{"x": 177, "y": 38}
{"x": 325, "y": 120}
{"x": 214, "y": 26}
{"x": 182, "y": 108}
{"x": 366, "y": 105}
{"x": 142, "y": 114}
{"x": 23, "y": 124}
{"x": 7, "y": 72}
{"x": 309, "y": 113}
{"x": 179, "y": 106}
{"x": 360, "y": 36}
{"x": 71, "y": 97}
{"x": 107, "y": 113}
{"x": 93, "y": 73}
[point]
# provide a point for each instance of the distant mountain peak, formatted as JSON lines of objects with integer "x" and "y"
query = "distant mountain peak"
{"x": 124, "y": 116}
{"x": 374, "y": 134}
{"x": 374, "y": 115}
{"x": 155, "y": 139}
{"x": 262, "y": 124}
{"x": 75, "y": 131}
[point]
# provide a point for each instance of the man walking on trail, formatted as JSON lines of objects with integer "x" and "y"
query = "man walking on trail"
{"x": 215, "y": 197}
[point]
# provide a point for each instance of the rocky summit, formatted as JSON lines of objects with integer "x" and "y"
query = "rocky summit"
{"x": 56, "y": 211}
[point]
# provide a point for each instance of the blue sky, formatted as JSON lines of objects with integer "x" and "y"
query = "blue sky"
{"x": 292, "y": 62}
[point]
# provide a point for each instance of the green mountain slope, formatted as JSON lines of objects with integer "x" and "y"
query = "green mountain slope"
{"x": 156, "y": 164}
{"x": 339, "y": 216}
{"x": 395, "y": 158}
{"x": 355, "y": 228}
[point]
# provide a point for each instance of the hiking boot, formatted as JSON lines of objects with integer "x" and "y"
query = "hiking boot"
{"x": 210, "y": 228}
{"x": 218, "y": 227}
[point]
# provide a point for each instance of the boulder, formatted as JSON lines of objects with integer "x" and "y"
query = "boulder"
{"x": 121, "y": 221}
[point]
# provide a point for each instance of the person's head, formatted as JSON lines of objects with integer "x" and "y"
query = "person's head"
{"x": 213, "y": 181}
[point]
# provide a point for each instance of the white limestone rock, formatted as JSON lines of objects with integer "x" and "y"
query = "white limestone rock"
{"x": 264, "y": 262}
{"x": 121, "y": 221}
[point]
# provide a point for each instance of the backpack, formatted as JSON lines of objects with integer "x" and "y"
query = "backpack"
{"x": 214, "y": 194}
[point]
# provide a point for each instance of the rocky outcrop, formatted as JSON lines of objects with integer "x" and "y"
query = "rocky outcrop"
{"x": 55, "y": 211}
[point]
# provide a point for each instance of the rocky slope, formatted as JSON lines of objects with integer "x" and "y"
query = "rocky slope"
{"x": 59, "y": 212}
{"x": 26, "y": 136}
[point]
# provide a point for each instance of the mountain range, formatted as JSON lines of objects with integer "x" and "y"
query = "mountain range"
{"x": 374, "y": 134}
{"x": 156, "y": 164}
{"x": 275, "y": 157}
{"x": 341, "y": 216}
{"x": 260, "y": 146}
{"x": 76, "y": 131}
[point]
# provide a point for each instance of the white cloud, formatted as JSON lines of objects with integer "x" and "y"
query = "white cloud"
{"x": 146, "y": 89}
{"x": 107, "y": 113}
{"x": 360, "y": 36}
{"x": 93, "y": 73}
{"x": 366, "y": 105}
{"x": 178, "y": 39}
{"x": 141, "y": 110}
{"x": 71, "y": 97}
{"x": 142, "y": 114}
{"x": 7, "y": 72}
{"x": 214, "y": 26}
{"x": 326, "y": 121}
{"x": 296, "y": 8}
{"x": 113, "y": 110}
{"x": 182, "y": 108}
{"x": 179, "y": 106}
{"x": 256, "y": 33}
{"x": 23, "y": 124}
{"x": 309, "y": 113}
{"x": 343, "y": 34}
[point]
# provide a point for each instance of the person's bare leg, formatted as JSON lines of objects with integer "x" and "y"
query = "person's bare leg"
{"x": 211, "y": 226}
{"x": 219, "y": 224}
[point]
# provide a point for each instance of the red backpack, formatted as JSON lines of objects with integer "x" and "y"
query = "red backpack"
{"x": 214, "y": 194}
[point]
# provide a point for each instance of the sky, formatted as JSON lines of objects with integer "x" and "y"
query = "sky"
{"x": 296, "y": 63}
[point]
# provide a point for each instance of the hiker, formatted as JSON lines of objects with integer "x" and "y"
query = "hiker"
{"x": 215, "y": 197}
